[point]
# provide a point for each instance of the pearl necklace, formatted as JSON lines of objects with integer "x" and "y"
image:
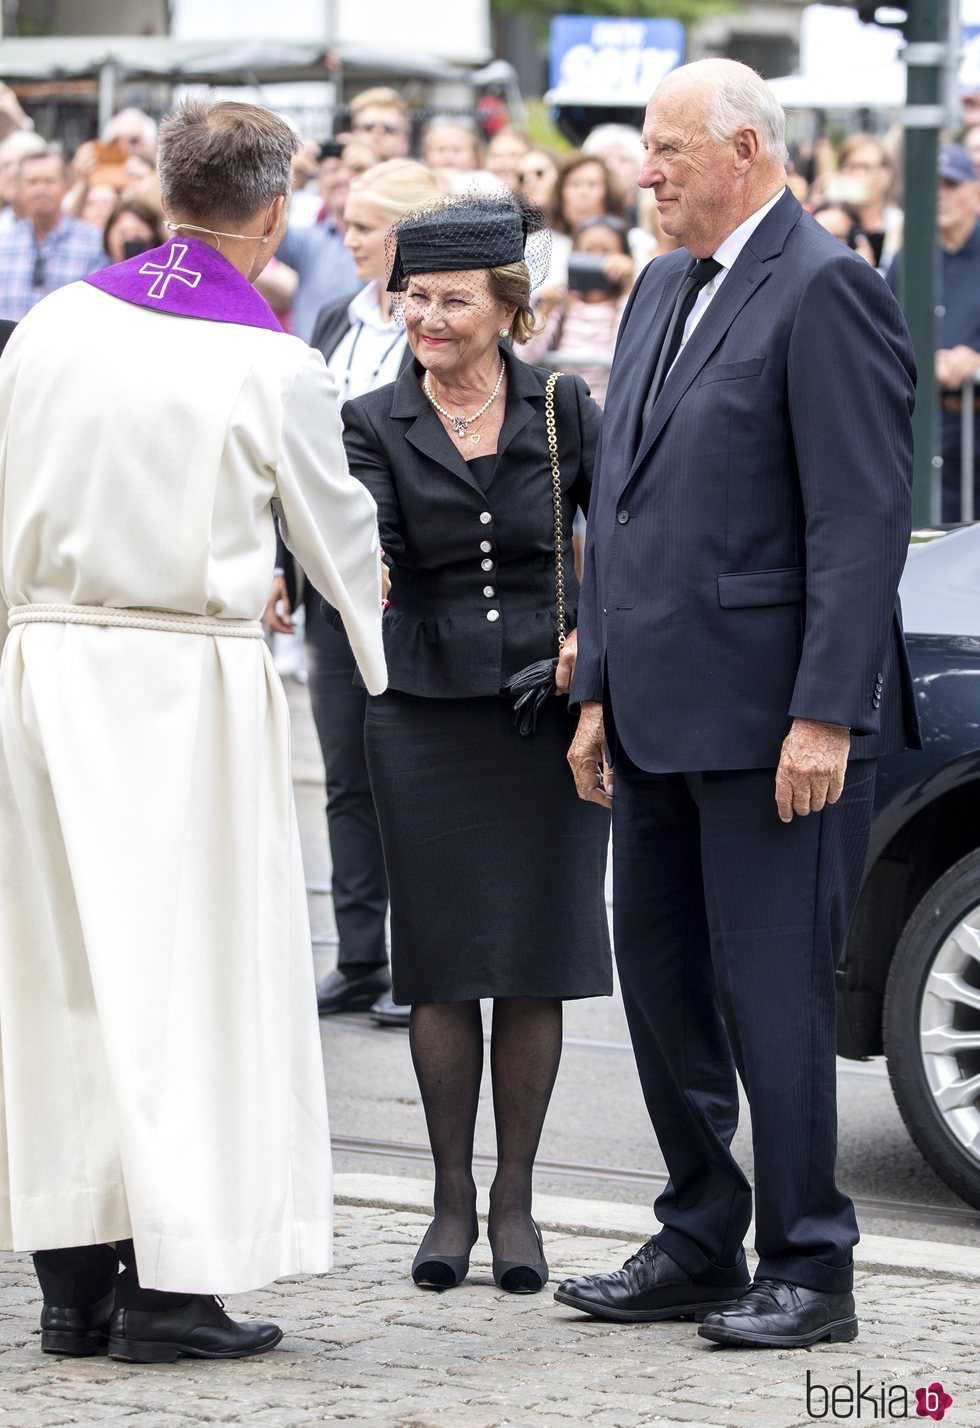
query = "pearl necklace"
{"x": 460, "y": 423}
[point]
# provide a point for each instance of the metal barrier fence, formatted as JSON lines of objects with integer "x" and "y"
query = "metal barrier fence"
{"x": 967, "y": 392}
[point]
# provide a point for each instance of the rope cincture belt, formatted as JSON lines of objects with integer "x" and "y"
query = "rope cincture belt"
{"x": 133, "y": 620}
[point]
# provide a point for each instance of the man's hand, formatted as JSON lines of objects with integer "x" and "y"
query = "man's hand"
{"x": 385, "y": 581}
{"x": 587, "y": 756}
{"x": 566, "y": 663}
{"x": 811, "y": 767}
{"x": 954, "y": 365}
{"x": 278, "y": 610}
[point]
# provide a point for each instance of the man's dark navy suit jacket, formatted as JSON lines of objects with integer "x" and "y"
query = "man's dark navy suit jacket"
{"x": 745, "y": 547}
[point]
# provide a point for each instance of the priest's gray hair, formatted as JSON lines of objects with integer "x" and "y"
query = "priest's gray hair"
{"x": 223, "y": 161}
{"x": 745, "y": 99}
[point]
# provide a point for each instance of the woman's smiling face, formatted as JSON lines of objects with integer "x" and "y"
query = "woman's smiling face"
{"x": 453, "y": 320}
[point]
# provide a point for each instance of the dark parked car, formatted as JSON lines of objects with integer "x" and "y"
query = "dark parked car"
{"x": 909, "y": 985}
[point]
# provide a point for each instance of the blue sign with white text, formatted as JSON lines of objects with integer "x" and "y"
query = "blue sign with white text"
{"x": 599, "y": 60}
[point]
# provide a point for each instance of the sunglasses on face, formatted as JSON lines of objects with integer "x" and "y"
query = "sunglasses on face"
{"x": 379, "y": 125}
{"x": 532, "y": 173}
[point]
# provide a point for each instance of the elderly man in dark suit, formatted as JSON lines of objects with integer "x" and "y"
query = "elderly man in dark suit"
{"x": 741, "y": 663}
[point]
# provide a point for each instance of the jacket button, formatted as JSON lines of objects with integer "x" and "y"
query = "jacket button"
{"x": 486, "y": 564}
{"x": 623, "y": 517}
{"x": 486, "y": 547}
{"x": 489, "y": 591}
{"x": 485, "y": 518}
{"x": 876, "y": 700}
{"x": 493, "y": 616}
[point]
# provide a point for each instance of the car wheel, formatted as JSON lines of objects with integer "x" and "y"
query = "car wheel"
{"x": 932, "y": 1027}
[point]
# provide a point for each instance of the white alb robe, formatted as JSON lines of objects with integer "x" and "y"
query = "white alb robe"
{"x": 161, "y": 1065}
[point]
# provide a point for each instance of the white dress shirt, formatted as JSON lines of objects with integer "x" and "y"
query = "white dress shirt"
{"x": 725, "y": 254}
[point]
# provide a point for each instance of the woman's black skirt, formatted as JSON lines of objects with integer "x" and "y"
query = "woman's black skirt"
{"x": 496, "y": 867}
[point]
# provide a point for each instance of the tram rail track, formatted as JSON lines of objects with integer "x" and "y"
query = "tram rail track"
{"x": 950, "y": 1215}
{"x": 592, "y": 1043}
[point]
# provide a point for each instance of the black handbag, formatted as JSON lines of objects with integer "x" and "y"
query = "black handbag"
{"x": 533, "y": 685}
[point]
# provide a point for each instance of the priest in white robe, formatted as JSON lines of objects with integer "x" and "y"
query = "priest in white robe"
{"x": 162, "y": 1098}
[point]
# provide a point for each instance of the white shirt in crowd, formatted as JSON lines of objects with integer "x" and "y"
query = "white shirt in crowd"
{"x": 369, "y": 355}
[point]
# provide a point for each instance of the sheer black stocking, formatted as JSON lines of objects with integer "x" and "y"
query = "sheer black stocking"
{"x": 525, "y": 1051}
{"x": 447, "y": 1050}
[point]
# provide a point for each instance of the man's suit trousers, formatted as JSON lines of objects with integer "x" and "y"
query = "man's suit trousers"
{"x": 728, "y": 928}
{"x": 360, "y": 886}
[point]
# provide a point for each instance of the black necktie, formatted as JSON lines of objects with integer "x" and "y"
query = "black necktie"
{"x": 702, "y": 272}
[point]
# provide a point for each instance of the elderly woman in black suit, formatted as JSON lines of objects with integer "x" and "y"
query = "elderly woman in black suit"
{"x": 496, "y": 869}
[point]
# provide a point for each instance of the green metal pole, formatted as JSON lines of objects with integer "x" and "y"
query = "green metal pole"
{"x": 925, "y": 55}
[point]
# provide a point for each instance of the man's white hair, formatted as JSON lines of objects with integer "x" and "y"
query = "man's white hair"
{"x": 741, "y": 99}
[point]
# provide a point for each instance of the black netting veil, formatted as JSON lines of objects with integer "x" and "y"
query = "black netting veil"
{"x": 465, "y": 232}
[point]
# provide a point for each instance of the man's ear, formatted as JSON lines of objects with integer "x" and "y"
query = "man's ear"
{"x": 746, "y": 148}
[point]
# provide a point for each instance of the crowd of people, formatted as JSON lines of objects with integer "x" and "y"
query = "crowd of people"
{"x": 60, "y": 219}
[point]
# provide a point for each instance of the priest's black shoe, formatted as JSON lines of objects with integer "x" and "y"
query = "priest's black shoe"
{"x": 783, "y": 1316}
{"x": 80, "y": 1332}
{"x": 650, "y": 1286}
{"x": 197, "y": 1329}
{"x": 341, "y": 992}
{"x": 387, "y": 1012}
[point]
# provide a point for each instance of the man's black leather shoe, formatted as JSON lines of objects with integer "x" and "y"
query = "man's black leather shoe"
{"x": 649, "y": 1286}
{"x": 785, "y": 1316}
{"x": 81, "y": 1332}
{"x": 387, "y": 1012}
{"x": 341, "y": 993}
{"x": 198, "y": 1329}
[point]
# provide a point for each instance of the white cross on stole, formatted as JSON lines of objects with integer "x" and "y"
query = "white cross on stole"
{"x": 164, "y": 274}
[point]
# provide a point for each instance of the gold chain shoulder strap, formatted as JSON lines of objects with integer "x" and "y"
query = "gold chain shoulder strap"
{"x": 552, "y": 429}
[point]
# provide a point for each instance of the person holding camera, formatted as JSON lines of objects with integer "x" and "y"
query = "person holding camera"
{"x": 844, "y": 222}
{"x": 582, "y": 319}
{"x": 316, "y": 252}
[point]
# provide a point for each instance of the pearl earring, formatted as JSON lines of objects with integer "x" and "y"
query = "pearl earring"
{"x": 504, "y": 332}
{"x": 265, "y": 238}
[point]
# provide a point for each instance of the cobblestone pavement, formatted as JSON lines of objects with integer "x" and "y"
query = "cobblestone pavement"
{"x": 363, "y": 1345}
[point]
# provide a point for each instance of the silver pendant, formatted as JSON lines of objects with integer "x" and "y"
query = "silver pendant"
{"x": 475, "y": 437}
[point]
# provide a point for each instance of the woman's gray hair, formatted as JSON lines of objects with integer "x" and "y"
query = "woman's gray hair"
{"x": 224, "y": 161}
{"x": 745, "y": 99}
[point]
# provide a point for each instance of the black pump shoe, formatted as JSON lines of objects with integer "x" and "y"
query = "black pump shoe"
{"x": 442, "y": 1271}
{"x": 79, "y": 1332}
{"x": 516, "y": 1277}
{"x": 198, "y": 1329}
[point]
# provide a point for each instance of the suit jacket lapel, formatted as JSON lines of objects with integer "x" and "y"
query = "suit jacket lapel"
{"x": 750, "y": 269}
{"x": 641, "y": 363}
{"x": 427, "y": 433}
{"x": 523, "y": 390}
{"x": 739, "y": 285}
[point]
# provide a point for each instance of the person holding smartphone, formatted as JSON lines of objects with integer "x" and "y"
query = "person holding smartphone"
{"x": 582, "y": 319}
